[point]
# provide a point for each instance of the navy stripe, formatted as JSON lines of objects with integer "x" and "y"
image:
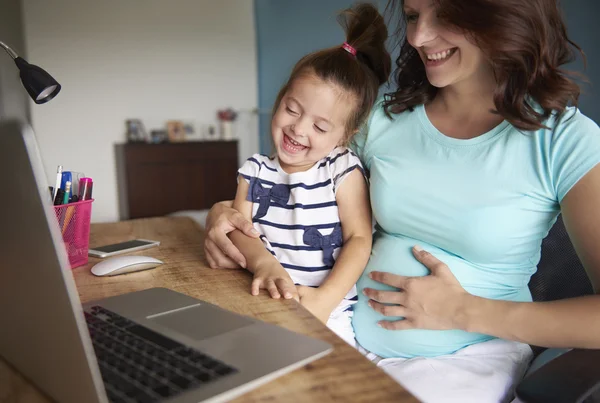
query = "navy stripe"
{"x": 301, "y": 227}
{"x": 294, "y": 247}
{"x": 332, "y": 160}
{"x": 302, "y": 206}
{"x": 293, "y": 185}
{"x": 305, "y": 268}
{"x": 352, "y": 168}
{"x": 259, "y": 163}
{"x": 297, "y": 247}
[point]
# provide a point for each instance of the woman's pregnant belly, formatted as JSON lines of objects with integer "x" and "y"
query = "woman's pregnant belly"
{"x": 393, "y": 254}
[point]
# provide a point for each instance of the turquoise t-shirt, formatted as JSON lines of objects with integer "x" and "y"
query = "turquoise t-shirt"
{"x": 481, "y": 205}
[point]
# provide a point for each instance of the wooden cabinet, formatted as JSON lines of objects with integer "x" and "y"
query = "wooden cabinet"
{"x": 158, "y": 179}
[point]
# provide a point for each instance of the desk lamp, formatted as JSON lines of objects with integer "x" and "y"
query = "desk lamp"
{"x": 40, "y": 85}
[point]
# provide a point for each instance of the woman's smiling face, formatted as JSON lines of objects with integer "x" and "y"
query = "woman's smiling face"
{"x": 448, "y": 55}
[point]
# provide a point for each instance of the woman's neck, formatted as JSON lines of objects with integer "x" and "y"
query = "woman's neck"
{"x": 464, "y": 110}
{"x": 466, "y": 99}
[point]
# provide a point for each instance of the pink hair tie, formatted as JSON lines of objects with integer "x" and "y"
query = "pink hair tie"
{"x": 346, "y": 46}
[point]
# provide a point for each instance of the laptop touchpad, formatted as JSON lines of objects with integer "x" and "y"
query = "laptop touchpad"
{"x": 201, "y": 322}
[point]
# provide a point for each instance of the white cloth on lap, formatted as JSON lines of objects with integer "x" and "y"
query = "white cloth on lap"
{"x": 481, "y": 373}
{"x": 340, "y": 322}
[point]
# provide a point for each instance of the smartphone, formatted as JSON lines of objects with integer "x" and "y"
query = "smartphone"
{"x": 123, "y": 247}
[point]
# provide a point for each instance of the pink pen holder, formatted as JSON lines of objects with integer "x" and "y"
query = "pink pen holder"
{"x": 74, "y": 224}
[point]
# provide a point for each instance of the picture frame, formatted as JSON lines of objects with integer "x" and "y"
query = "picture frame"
{"x": 175, "y": 131}
{"x": 135, "y": 131}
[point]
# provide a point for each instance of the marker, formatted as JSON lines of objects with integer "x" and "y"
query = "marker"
{"x": 58, "y": 181}
{"x": 67, "y": 193}
{"x": 85, "y": 188}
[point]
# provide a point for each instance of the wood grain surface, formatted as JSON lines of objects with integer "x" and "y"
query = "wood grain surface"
{"x": 344, "y": 375}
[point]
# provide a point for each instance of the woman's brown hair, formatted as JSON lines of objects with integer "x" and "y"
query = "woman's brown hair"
{"x": 359, "y": 75}
{"x": 525, "y": 41}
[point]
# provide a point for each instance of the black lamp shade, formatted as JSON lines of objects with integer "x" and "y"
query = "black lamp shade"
{"x": 40, "y": 85}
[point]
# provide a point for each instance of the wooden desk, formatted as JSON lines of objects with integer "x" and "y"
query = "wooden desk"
{"x": 343, "y": 375}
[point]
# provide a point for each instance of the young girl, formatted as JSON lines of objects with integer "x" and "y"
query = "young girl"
{"x": 310, "y": 201}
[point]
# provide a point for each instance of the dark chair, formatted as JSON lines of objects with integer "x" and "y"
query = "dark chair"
{"x": 573, "y": 376}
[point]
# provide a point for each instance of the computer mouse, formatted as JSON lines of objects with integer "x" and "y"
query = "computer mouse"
{"x": 116, "y": 265}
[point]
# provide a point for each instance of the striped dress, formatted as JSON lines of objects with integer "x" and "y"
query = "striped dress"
{"x": 297, "y": 215}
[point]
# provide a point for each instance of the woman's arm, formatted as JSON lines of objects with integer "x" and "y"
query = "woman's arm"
{"x": 268, "y": 272}
{"x": 220, "y": 252}
{"x": 355, "y": 215}
{"x": 438, "y": 301}
{"x": 571, "y": 322}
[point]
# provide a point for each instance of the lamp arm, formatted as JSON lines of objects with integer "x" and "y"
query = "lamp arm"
{"x": 11, "y": 52}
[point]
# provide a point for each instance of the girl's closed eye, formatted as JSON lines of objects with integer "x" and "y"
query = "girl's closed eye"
{"x": 320, "y": 130}
{"x": 290, "y": 110}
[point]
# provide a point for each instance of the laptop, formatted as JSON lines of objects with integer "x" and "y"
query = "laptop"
{"x": 148, "y": 346}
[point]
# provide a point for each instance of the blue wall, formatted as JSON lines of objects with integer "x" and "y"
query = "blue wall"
{"x": 286, "y": 31}
{"x": 584, "y": 30}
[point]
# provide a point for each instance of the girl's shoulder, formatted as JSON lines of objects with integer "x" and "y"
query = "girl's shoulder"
{"x": 341, "y": 156}
{"x": 258, "y": 163}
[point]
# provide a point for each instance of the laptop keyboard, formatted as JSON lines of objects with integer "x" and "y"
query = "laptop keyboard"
{"x": 139, "y": 365}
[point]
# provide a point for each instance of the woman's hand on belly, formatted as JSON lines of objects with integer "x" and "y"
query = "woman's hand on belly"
{"x": 436, "y": 301}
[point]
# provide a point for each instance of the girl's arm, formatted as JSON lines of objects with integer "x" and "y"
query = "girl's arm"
{"x": 355, "y": 215}
{"x": 268, "y": 272}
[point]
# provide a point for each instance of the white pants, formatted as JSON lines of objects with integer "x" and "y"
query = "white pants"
{"x": 481, "y": 373}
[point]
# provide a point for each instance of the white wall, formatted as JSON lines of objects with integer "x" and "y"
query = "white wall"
{"x": 13, "y": 97}
{"x": 149, "y": 59}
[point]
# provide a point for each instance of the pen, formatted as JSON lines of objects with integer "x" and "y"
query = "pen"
{"x": 60, "y": 194}
{"x": 58, "y": 181}
{"x": 68, "y": 216}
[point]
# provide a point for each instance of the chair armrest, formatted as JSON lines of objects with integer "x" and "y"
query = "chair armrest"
{"x": 571, "y": 377}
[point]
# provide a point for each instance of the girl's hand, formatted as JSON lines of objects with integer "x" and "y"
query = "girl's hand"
{"x": 436, "y": 301}
{"x": 312, "y": 299}
{"x": 276, "y": 281}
